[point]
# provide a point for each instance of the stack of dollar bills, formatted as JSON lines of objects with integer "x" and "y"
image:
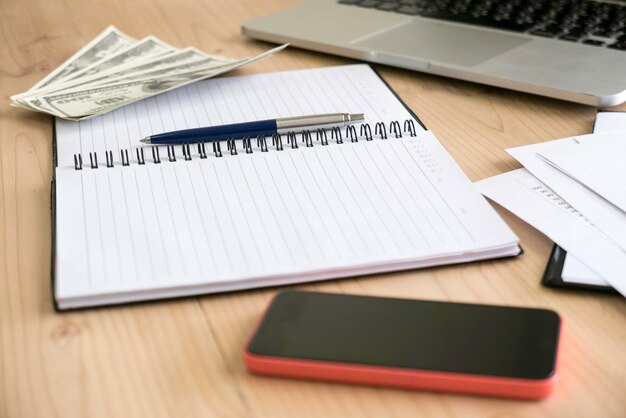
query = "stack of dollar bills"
{"x": 114, "y": 70}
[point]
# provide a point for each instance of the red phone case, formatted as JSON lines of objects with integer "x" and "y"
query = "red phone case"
{"x": 400, "y": 377}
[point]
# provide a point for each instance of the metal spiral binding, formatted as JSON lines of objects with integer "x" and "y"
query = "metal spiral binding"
{"x": 141, "y": 160}
{"x": 217, "y": 150}
{"x": 306, "y": 138}
{"x": 335, "y": 133}
{"x": 366, "y": 131}
{"x": 109, "y": 157}
{"x": 231, "y": 145}
{"x": 93, "y": 160}
{"x": 78, "y": 162}
{"x": 186, "y": 152}
{"x": 352, "y": 133}
{"x": 321, "y": 136}
{"x": 124, "y": 157}
{"x": 261, "y": 143}
{"x": 291, "y": 139}
{"x": 171, "y": 153}
{"x": 277, "y": 140}
{"x": 380, "y": 130}
{"x": 202, "y": 150}
{"x": 247, "y": 145}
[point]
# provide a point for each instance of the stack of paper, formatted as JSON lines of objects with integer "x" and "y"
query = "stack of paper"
{"x": 574, "y": 191}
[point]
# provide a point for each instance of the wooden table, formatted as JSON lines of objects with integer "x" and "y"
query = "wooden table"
{"x": 183, "y": 358}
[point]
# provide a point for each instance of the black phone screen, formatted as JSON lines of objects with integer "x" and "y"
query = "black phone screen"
{"x": 412, "y": 334}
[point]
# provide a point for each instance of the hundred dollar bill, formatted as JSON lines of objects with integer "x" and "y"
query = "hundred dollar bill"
{"x": 107, "y": 43}
{"x": 143, "y": 50}
{"x": 184, "y": 56}
{"x": 167, "y": 72}
{"x": 163, "y": 75}
{"x": 82, "y": 103}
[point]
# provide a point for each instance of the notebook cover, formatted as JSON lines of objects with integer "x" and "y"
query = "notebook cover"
{"x": 552, "y": 276}
{"x": 53, "y": 213}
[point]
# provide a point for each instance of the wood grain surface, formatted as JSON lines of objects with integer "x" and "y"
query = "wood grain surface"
{"x": 183, "y": 358}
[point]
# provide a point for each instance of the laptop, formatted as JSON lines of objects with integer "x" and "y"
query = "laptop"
{"x": 568, "y": 49}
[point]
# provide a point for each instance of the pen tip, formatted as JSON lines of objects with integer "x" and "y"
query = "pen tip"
{"x": 145, "y": 140}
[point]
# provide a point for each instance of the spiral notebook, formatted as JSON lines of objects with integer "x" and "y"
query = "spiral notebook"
{"x": 135, "y": 224}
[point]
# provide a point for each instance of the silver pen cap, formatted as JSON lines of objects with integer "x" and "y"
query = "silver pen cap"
{"x": 317, "y": 121}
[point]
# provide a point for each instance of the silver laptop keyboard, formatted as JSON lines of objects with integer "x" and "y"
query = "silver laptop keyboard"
{"x": 588, "y": 22}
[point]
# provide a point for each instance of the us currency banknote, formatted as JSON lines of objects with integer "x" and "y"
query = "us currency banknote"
{"x": 163, "y": 76}
{"x": 83, "y": 102}
{"x": 144, "y": 49}
{"x": 182, "y": 57}
{"x": 161, "y": 69}
{"x": 114, "y": 70}
{"x": 165, "y": 72}
{"x": 105, "y": 44}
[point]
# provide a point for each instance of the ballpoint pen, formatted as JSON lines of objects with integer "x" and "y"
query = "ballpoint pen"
{"x": 253, "y": 129}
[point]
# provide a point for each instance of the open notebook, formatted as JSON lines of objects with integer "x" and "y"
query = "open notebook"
{"x": 136, "y": 224}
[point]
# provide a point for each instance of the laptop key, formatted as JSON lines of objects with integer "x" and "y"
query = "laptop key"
{"x": 571, "y": 37}
{"x": 409, "y": 10}
{"x": 369, "y": 3}
{"x": 593, "y": 42}
{"x": 388, "y": 6}
{"x": 550, "y": 31}
{"x": 618, "y": 45}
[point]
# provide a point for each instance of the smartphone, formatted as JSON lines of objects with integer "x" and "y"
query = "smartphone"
{"x": 416, "y": 344}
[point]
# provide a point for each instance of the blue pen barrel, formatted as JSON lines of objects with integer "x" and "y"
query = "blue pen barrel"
{"x": 217, "y": 133}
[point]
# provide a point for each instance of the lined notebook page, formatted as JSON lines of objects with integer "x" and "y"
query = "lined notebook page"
{"x": 147, "y": 231}
{"x": 260, "y": 216}
{"x": 345, "y": 89}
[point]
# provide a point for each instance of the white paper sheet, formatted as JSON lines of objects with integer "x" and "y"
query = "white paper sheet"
{"x": 573, "y": 270}
{"x": 534, "y": 202}
{"x": 599, "y": 163}
{"x": 610, "y": 122}
{"x": 609, "y": 219}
